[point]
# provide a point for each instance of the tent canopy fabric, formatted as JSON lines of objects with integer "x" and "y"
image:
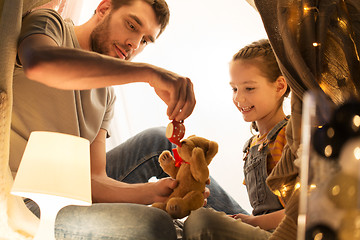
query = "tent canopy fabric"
{"x": 16, "y": 222}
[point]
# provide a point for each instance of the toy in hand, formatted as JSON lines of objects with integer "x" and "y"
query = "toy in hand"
{"x": 196, "y": 154}
{"x": 175, "y": 131}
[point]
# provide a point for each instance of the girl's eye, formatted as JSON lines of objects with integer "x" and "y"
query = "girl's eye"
{"x": 234, "y": 89}
{"x": 249, "y": 89}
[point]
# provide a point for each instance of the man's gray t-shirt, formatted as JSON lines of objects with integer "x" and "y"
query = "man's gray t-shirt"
{"x": 41, "y": 108}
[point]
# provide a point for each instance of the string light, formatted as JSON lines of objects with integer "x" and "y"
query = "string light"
{"x": 319, "y": 236}
{"x": 357, "y": 153}
{"x": 330, "y": 132}
{"x": 284, "y": 190}
{"x": 356, "y": 120}
{"x": 342, "y": 23}
{"x": 335, "y": 190}
{"x": 328, "y": 151}
{"x": 307, "y": 9}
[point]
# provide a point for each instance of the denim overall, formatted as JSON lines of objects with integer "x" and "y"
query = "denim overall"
{"x": 255, "y": 171}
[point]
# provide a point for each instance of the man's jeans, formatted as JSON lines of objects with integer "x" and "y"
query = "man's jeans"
{"x": 134, "y": 161}
{"x": 114, "y": 221}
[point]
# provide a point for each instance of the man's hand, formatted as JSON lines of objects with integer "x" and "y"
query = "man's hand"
{"x": 206, "y": 192}
{"x": 163, "y": 188}
{"x": 176, "y": 91}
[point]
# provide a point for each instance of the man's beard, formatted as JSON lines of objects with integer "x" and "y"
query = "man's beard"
{"x": 99, "y": 37}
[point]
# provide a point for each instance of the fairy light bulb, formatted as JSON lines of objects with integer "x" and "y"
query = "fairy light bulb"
{"x": 357, "y": 153}
{"x": 356, "y": 123}
{"x": 308, "y": 9}
{"x": 350, "y": 156}
{"x": 328, "y": 151}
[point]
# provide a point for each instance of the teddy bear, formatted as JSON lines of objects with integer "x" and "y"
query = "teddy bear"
{"x": 189, "y": 167}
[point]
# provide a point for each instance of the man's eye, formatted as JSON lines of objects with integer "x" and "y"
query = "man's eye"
{"x": 144, "y": 42}
{"x": 132, "y": 26}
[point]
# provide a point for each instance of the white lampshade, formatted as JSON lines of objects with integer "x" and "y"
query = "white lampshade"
{"x": 54, "y": 172}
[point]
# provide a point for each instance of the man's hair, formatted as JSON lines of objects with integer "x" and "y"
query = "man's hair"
{"x": 160, "y": 8}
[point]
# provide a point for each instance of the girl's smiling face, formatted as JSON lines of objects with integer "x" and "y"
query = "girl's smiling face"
{"x": 256, "y": 97}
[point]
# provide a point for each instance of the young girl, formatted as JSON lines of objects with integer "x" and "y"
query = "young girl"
{"x": 258, "y": 93}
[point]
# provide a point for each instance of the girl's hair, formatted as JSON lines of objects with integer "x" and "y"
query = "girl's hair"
{"x": 261, "y": 54}
{"x": 160, "y": 8}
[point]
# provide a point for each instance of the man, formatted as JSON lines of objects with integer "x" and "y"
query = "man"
{"x": 63, "y": 84}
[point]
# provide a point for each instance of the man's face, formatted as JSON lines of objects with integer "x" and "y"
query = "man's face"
{"x": 125, "y": 32}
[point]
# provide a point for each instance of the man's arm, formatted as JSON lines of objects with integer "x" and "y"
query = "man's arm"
{"x": 105, "y": 189}
{"x": 68, "y": 68}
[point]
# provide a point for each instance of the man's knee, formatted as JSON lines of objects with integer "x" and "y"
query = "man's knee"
{"x": 116, "y": 221}
{"x": 156, "y": 137}
{"x": 160, "y": 224}
{"x": 155, "y": 132}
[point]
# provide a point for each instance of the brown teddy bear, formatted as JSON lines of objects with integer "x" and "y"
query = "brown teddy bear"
{"x": 190, "y": 169}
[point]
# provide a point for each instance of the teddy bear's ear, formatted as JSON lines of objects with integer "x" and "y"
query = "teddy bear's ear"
{"x": 211, "y": 152}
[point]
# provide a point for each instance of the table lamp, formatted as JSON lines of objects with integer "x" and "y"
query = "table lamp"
{"x": 54, "y": 172}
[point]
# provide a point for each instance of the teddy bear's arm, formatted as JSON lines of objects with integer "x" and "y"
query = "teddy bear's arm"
{"x": 167, "y": 163}
{"x": 198, "y": 166}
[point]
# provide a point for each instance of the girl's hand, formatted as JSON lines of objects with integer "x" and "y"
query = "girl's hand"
{"x": 249, "y": 219}
{"x": 266, "y": 221}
